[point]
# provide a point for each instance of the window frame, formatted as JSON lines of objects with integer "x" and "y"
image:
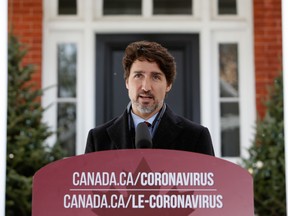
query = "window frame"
{"x": 52, "y": 11}
{"x": 246, "y": 87}
{"x": 242, "y": 11}
{"x": 147, "y": 12}
{"x": 50, "y": 97}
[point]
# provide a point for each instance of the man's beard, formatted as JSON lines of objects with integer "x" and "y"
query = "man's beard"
{"x": 145, "y": 109}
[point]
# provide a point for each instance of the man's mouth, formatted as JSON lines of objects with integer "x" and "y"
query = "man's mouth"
{"x": 145, "y": 97}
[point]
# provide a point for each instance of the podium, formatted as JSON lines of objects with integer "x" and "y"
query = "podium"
{"x": 142, "y": 182}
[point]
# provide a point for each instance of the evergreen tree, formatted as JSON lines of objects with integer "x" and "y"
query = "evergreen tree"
{"x": 26, "y": 133}
{"x": 266, "y": 162}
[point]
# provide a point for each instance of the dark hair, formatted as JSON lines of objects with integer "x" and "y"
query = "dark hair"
{"x": 152, "y": 52}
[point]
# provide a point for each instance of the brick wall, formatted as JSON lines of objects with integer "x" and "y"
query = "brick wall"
{"x": 268, "y": 47}
{"x": 25, "y": 18}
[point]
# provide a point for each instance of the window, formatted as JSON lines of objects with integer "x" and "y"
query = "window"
{"x": 67, "y": 7}
{"x": 67, "y": 58}
{"x": 233, "y": 10}
{"x": 229, "y": 99}
{"x": 66, "y": 94}
{"x": 145, "y": 8}
{"x": 63, "y": 9}
{"x": 122, "y": 7}
{"x": 234, "y": 94}
{"x": 227, "y": 7}
{"x": 170, "y": 7}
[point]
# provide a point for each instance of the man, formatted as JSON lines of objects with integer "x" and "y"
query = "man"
{"x": 149, "y": 72}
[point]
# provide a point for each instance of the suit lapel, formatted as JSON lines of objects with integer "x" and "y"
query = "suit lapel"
{"x": 164, "y": 138}
{"x": 119, "y": 133}
{"x": 167, "y": 131}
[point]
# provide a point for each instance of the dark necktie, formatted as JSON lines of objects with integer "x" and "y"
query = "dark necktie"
{"x": 148, "y": 124}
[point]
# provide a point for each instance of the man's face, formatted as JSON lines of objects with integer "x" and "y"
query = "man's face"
{"x": 147, "y": 87}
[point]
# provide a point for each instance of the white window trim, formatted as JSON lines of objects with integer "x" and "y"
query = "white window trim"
{"x": 89, "y": 22}
{"x": 49, "y": 82}
{"x": 146, "y": 13}
{"x": 52, "y": 9}
{"x": 246, "y": 89}
{"x": 242, "y": 11}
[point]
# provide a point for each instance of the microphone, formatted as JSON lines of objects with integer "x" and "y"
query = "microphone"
{"x": 142, "y": 136}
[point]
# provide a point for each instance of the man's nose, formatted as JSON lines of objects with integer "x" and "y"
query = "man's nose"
{"x": 146, "y": 84}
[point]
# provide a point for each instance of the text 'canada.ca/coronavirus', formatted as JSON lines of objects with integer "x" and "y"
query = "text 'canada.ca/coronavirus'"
{"x": 143, "y": 178}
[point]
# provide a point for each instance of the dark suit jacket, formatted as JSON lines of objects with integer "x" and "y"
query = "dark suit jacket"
{"x": 174, "y": 132}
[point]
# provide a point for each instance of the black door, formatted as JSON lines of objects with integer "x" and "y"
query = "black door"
{"x": 111, "y": 93}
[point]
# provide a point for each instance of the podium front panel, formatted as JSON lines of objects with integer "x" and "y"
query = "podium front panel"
{"x": 142, "y": 182}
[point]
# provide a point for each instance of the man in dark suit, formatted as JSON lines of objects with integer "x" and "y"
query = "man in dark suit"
{"x": 149, "y": 72}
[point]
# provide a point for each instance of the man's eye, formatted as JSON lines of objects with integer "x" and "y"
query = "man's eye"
{"x": 156, "y": 77}
{"x": 137, "y": 75}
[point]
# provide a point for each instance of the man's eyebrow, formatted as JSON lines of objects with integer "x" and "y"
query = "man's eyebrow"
{"x": 157, "y": 73}
{"x": 153, "y": 72}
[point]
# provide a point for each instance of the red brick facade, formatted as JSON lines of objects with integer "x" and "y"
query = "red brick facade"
{"x": 267, "y": 47}
{"x": 26, "y": 18}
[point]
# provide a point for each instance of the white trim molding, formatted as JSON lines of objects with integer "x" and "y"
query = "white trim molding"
{"x": 211, "y": 28}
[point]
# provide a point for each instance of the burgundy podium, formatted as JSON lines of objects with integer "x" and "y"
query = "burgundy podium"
{"x": 142, "y": 182}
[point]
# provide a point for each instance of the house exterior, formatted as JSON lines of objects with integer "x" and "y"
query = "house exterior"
{"x": 227, "y": 51}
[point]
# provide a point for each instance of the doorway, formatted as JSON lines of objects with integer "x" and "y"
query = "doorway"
{"x": 111, "y": 93}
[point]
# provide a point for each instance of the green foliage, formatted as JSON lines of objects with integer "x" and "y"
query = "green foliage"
{"x": 266, "y": 162}
{"x": 26, "y": 133}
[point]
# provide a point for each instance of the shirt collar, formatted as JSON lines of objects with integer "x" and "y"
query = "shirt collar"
{"x": 137, "y": 119}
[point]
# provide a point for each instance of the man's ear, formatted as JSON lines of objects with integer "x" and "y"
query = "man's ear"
{"x": 126, "y": 83}
{"x": 168, "y": 88}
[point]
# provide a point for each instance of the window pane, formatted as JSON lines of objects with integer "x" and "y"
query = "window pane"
{"x": 66, "y": 119}
{"x": 228, "y": 7}
{"x": 67, "y": 7}
{"x": 230, "y": 129}
{"x": 172, "y": 7}
{"x": 67, "y": 54}
{"x": 122, "y": 7}
{"x": 228, "y": 63}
